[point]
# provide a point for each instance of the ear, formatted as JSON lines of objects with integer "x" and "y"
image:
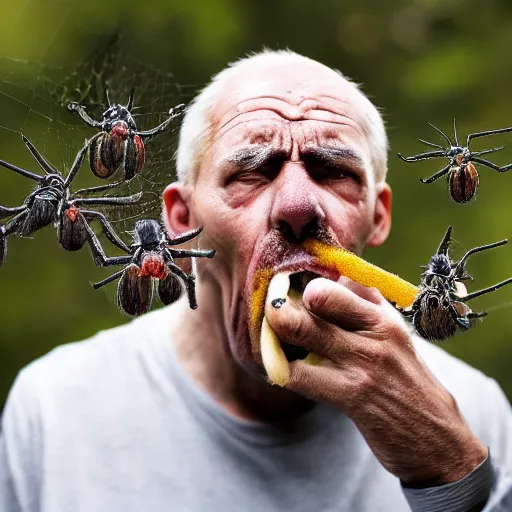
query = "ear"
{"x": 381, "y": 216}
{"x": 176, "y": 213}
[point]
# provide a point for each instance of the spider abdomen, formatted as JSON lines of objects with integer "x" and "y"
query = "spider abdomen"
{"x": 170, "y": 289}
{"x": 134, "y": 292}
{"x": 43, "y": 213}
{"x": 463, "y": 182}
{"x": 433, "y": 319}
{"x": 72, "y": 232}
{"x": 134, "y": 156}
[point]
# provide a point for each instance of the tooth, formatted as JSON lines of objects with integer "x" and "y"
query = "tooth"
{"x": 275, "y": 362}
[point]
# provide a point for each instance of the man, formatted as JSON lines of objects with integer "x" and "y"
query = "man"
{"x": 173, "y": 411}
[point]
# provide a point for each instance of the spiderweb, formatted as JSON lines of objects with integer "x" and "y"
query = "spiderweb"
{"x": 36, "y": 97}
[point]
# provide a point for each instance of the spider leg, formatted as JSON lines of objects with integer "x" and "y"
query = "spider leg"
{"x": 492, "y": 166}
{"x": 485, "y": 151}
{"x": 422, "y": 156}
{"x": 46, "y": 166}
{"x": 109, "y": 279}
{"x": 192, "y": 253}
{"x": 79, "y": 159}
{"x": 21, "y": 171}
{"x": 405, "y": 312}
{"x": 488, "y": 132}
{"x": 173, "y": 113}
{"x": 80, "y": 110}
{"x": 189, "y": 280}
{"x": 5, "y": 211}
{"x": 184, "y": 237}
{"x": 455, "y": 133}
{"x": 445, "y": 242}
{"x": 431, "y": 144}
{"x": 98, "y": 254}
{"x": 108, "y": 200}
{"x": 485, "y": 290}
{"x": 472, "y": 315}
{"x": 92, "y": 190}
{"x": 437, "y": 175}
{"x": 111, "y": 235}
{"x": 460, "y": 264}
{"x": 107, "y": 98}
{"x": 442, "y": 133}
{"x": 129, "y": 105}
{"x": 13, "y": 224}
{"x": 3, "y": 245}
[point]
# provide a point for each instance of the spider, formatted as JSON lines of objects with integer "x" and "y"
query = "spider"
{"x": 439, "y": 309}
{"x": 462, "y": 174}
{"x": 148, "y": 258}
{"x": 120, "y": 143}
{"x": 52, "y": 202}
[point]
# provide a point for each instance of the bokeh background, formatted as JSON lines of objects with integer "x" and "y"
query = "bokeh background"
{"x": 419, "y": 61}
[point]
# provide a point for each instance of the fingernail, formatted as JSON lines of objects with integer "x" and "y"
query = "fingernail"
{"x": 277, "y": 303}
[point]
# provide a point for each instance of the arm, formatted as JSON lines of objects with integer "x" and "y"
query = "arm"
{"x": 19, "y": 451}
{"x": 372, "y": 373}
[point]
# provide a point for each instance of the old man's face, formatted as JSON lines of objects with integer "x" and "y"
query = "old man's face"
{"x": 289, "y": 157}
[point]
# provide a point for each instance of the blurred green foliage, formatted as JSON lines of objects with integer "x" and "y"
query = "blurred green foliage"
{"x": 419, "y": 61}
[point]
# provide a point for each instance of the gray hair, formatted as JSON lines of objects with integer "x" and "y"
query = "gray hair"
{"x": 196, "y": 126}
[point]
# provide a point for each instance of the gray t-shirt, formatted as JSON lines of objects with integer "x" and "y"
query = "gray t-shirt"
{"x": 115, "y": 424}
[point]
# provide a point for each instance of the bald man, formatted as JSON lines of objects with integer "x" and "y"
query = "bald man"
{"x": 174, "y": 411}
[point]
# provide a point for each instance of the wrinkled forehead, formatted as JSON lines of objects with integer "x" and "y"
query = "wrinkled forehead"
{"x": 291, "y": 106}
{"x": 293, "y": 91}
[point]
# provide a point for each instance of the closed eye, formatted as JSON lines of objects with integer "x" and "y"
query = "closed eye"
{"x": 322, "y": 173}
{"x": 264, "y": 173}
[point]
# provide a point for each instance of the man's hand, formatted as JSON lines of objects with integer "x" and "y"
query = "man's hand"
{"x": 373, "y": 374}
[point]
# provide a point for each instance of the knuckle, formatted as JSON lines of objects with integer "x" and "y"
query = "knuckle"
{"x": 375, "y": 294}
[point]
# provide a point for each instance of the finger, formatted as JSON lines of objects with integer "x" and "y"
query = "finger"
{"x": 323, "y": 382}
{"x": 369, "y": 294}
{"x": 340, "y": 306}
{"x": 294, "y": 324}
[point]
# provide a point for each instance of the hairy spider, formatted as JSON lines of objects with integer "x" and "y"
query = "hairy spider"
{"x": 149, "y": 258}
{"x": 120, "y": 143}
{"x": 462, "y": 174}
{"x": 439, "y": 309}
{"x": 52, "y": 202}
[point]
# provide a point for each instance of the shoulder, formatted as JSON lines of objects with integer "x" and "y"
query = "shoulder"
{"x": 479, "y": 397}
{"x": 84, "y": 375}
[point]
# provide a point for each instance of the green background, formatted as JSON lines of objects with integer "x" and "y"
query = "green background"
{"x": 419, "y": 61}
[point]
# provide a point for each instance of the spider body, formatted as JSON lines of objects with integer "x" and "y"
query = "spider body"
{"x": 150, "y": 259}
{"x": 53, "y": 203}
{"x": 439, "y": 310}
{"x": 120, "y": 145}
{"x": 463, "y": 180}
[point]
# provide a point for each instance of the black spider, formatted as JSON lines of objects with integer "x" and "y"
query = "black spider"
{"x": 462, "y": 174}
{"x": 149, "y": 258}
{"x": 52, "y": 202}
{"x": 439, "y": 310}
{"x": 120, "y": 143}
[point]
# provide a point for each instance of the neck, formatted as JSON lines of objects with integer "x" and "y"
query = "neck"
{"x": 200, "y": 342}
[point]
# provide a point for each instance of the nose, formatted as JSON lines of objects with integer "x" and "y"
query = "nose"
{"x": 296, "y": 209}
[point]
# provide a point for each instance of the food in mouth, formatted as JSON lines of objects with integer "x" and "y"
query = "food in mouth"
{"x": 276, "y": 288}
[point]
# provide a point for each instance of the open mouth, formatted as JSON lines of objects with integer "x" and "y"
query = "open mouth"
{"x": 274, "y": 286}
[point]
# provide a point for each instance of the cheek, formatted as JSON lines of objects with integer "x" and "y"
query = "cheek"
{"x": 234, "y": 231}
{"x": 351, "y": 222}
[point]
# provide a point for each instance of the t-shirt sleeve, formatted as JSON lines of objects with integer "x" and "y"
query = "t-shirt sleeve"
{"x": 20, "y": 449}
{"x": 489, "y": 487}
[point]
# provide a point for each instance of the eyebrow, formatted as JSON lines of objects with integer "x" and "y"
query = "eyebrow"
{"x": 254, "y": 157}
{"x": 332, "y": 156}
{"x": 251, "y": 158}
